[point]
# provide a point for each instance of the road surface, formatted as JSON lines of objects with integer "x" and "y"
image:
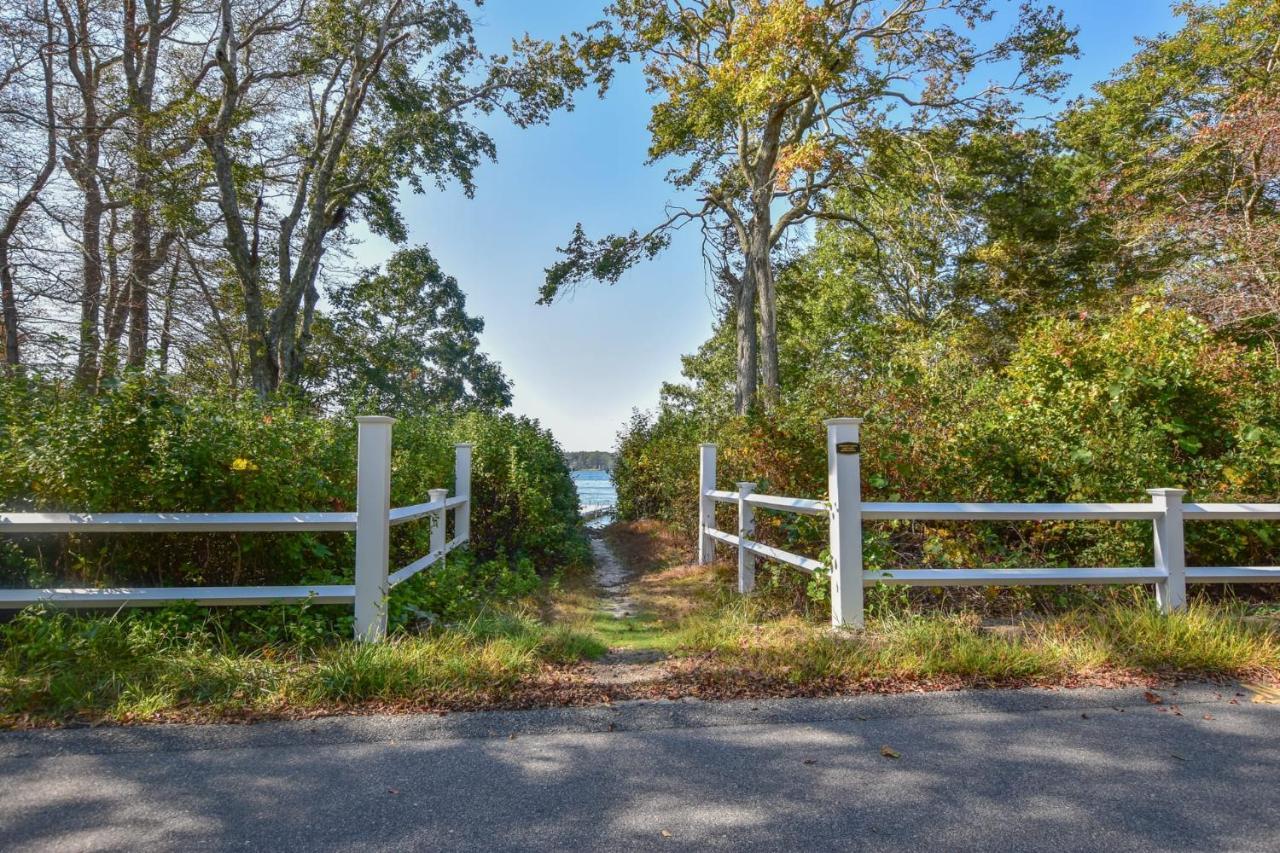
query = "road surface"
{"x": 998, "y": 770}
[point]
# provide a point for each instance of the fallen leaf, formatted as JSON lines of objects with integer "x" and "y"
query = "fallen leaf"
{"x": 393, "y": 790}
{"x": 889, "y": 752}
{"x": 1084, "y": 716}
{"x": 1152, "y": 697}
{"x": 1209, "y": 717}
{"x": 810, "y": 761}
{"x": 1177, "y": 712}
{"x": 666, "y": 834}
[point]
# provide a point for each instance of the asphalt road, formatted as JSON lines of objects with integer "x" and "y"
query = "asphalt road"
{"x": 1024, "y": 770}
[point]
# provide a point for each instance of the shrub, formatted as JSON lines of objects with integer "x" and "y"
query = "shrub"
{"x": 1084, "y": 410}
{"x": 142, "y": 447}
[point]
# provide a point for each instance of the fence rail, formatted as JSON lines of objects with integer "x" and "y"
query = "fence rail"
{"x": 372, "y": 522}
{"x": 846, "y": 512}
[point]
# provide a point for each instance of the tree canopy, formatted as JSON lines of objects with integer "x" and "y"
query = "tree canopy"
{"x": 768, "y": 106}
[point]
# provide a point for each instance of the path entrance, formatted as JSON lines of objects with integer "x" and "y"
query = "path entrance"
{"x": 631, "y": 659}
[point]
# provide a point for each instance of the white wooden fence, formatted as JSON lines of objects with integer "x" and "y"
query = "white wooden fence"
{"x": 846, "y": 512}
{"x": 371, "y": 522}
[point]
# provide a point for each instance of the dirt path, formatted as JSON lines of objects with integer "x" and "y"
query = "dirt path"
{"x": 623, "y": 664}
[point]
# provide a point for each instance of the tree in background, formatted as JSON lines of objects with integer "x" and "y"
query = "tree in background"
{"x": 201, "y": 163}
{"x": 27, "y": 113}
{"x": 768, "y": 105}
{"x": 372, "y": 93}
{"x": 401, "y": 341}
{"x": 1184, "y": 144}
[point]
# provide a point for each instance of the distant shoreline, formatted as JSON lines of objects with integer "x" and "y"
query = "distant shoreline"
{"x": 589, "y": 460}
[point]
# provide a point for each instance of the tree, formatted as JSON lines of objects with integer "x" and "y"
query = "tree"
{"x": 1184, "y": 149}
{"x": 768, "y": 104}
{"x": 402, "y": 341}
{"x": 27, "y": 107}
{"x": 373, "y": 93}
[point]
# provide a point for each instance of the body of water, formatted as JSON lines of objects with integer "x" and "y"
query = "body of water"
{"x": 595, "y": 487}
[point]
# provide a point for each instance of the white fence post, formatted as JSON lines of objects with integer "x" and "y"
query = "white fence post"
{"x": 845, "y": 498}
{"x": 1170, "y": 550}
{"x": 373, "y": 530}
{"x": 706, "y": 505}
{"x": 462, "y": 489}
{"x": 437, "y": 520}
{"x": 746, "y": 529}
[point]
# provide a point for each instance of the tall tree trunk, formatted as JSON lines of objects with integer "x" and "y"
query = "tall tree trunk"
{"x": 83, "y": 163}
{"x": 89, "y": 352}
{"x": 748, "y": 345}
{"x": 9, "y": 312}
{"x": 166, "y": 325}
{"x": 139, "y": 306}
{"x": 8, "y": 295}
{"x": 140, "y": 63}
{"x": 762, "y": 272}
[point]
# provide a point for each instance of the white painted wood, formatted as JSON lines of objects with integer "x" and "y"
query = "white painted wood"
{"x": 1233, "y": 574}
{"x": 589, "y": 512}
{"x": 721, "y": 536}
{"x": 802, "y": 563}
{"x": 845, "y": 501}
{"x": 211, "y": 596}
{"x": 1224, "y": 512}
{"x": 1008, "y": 511}
{"x": 1013, "y": 577}
{"x": 403, "y": 514}
{"x": 1170, "y": 551}
{"x": 800, "y": 506}
{"x": 439, "y": 520}
{"x": 175, "y": 522}
{"x": 462, "y": 490}
{"x": 401, "y": 575}
{"x": 746, "y": 526}
{"x": 706, "y": 504}
{"x": 722, "y": 496}
{"x": 373, "y": 531}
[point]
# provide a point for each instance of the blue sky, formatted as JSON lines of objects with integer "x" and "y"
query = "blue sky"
{"x": 581, "y": 365}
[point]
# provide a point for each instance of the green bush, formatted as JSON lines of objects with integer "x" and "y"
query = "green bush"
{"x": 1084, "y": 409}
{"x": 141, "y": 447}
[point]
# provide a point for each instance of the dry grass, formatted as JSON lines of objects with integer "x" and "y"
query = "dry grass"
{"x": 761, "y": 644}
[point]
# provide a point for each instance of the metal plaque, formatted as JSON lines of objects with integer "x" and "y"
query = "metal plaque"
{"x": 847, "y": 448}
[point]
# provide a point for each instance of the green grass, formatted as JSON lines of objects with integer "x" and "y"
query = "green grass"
{"x": 195, "y": 664}
{"x": 745, "y": 641}
{"x": 56, "y": 667}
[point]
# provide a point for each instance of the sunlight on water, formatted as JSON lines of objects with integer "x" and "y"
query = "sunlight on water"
{"x": 595, "y": 487}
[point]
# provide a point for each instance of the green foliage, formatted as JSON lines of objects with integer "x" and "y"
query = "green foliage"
{"x": 656, "y": 471}
{"x": 1084, "y": 410}
{"x": 737, "y": 641}
{"x": 142, "y": 448}
{"x": 183, "y": 661}
{"x": 401, "y": 341}
{"x": 589, "y": 460}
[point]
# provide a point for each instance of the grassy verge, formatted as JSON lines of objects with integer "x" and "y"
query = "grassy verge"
{"x": 192, "y": 664}
{"x": 727, "y": 644}
{"x": 57, "y": 668}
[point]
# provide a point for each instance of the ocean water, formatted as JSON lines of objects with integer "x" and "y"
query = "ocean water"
{"x": 595, "y": 487}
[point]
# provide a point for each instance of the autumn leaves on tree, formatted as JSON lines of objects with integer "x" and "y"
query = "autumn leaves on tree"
{"x": 768, "y": 106}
